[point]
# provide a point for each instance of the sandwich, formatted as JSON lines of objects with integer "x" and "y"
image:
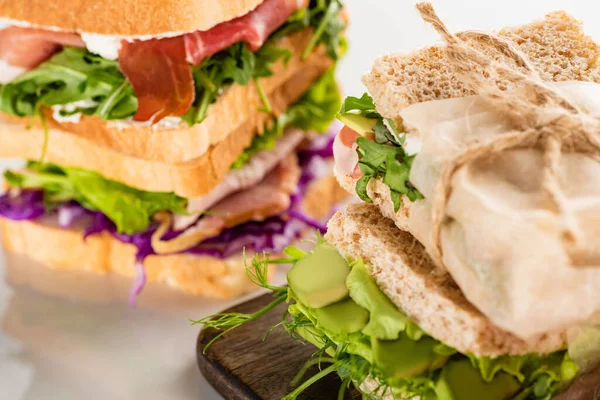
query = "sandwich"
{"x": 162, "y": 139}
{"x": 382, "y": 310}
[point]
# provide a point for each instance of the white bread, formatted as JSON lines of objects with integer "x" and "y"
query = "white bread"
{"x": 405, "y": 273}
{"x": 556, "y": 46}
{"x": 235, "y": 110}
{"x": 190, "y": 179}
{"x": 127, "y": 17}
{"x": 44, "y": 241}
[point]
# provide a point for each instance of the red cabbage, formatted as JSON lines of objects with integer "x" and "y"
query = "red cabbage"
{"x": 25, "y": 205}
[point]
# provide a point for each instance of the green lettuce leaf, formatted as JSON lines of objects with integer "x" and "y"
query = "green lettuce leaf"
{"x": 386, "y": 321}
{"x": 313, "y": 112}
{"x": 130, "y": 209}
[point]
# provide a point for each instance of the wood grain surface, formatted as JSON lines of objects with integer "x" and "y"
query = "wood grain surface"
{"x": 243, "y": 366}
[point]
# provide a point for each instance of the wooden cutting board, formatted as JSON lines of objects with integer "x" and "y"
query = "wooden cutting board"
{"x": 243, "y": 366}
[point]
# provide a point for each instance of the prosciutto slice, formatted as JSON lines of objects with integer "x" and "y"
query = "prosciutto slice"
{"x": 160, "y": 75}
{"x": 253, "y": 28}
{"x": 244, "y": 178}
{"x": 27, "y": 48}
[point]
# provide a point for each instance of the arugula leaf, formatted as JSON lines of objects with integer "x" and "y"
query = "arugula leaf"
{"x": 70, "y": 76}
{"x": 364, "y": 105}
{"x": 361, "y": 188}
{"x": 130, "y": 209}
{"x": 313, "y": 112}
{"x": 329, "y": 25}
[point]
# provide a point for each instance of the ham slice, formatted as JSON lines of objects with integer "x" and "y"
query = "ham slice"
{"x": 253, "y": 28}
{"x": 244, "y": 178}
{"x": 269, "y": 198}
{"x": 160, "y": 75}
{"x": 27, "y": 48}
{"x": 344, "y": 152}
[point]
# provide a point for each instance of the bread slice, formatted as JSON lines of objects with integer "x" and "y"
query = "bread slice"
{"x": 405, "y": 273}
{"x": 127, "y": 17}
{"x": 44, "y": 241}
{"x": 556, "y": 46}
{"x": 191, "y": 179}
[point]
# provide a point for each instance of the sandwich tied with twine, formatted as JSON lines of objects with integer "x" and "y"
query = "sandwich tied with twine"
{"x": 540, "y": 115}
{"x": 511, "y": 180}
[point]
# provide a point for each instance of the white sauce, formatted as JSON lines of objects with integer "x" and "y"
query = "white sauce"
{"x": 105, "y": 46}
{"x": 165, "y": 123}
{"x": 70, "y": 107}
{"x": 9, "y": 72}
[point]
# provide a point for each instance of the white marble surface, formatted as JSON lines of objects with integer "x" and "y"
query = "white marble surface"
{"x": 100, "y": 348}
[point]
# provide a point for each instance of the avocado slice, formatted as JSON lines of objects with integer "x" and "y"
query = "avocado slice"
{"x": 405, "y": 358}
{"x": 358, "y": 123}
{"x": 319, "y": 279}
{"x": 460, "y": 381}
{"x": 342, "y": 318}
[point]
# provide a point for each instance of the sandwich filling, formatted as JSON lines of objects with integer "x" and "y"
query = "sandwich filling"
{"x": 362, "y": 336}
{"x": 372, "y": 147}
{"x": 258, "y": 206}
{"x": 175, "y": 77}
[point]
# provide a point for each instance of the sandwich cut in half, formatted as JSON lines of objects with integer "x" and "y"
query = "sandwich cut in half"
{"x": 163, "y": 138}
{"x": 382, "y": 312}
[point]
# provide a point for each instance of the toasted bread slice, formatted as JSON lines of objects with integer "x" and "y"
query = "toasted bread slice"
{"x": 556, "y": 46}
{"x": 44, "y": 241}
{"x": 405, "y": 273}
{"x": 127, "y": 17}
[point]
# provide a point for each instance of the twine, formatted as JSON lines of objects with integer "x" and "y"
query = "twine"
{"x": 540, "y": 115}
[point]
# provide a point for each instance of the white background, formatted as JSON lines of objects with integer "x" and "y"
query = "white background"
{"x": 52, "y": 348}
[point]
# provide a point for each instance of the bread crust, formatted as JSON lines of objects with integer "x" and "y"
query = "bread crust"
{"x": 556, "y": 46}
{"x": 191, "y": 179}
{"x": 405, "y": 273}
{"x": 43, "y": 241}
{"x": 127, "y": 17}
{"x": 235, "y": 109}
